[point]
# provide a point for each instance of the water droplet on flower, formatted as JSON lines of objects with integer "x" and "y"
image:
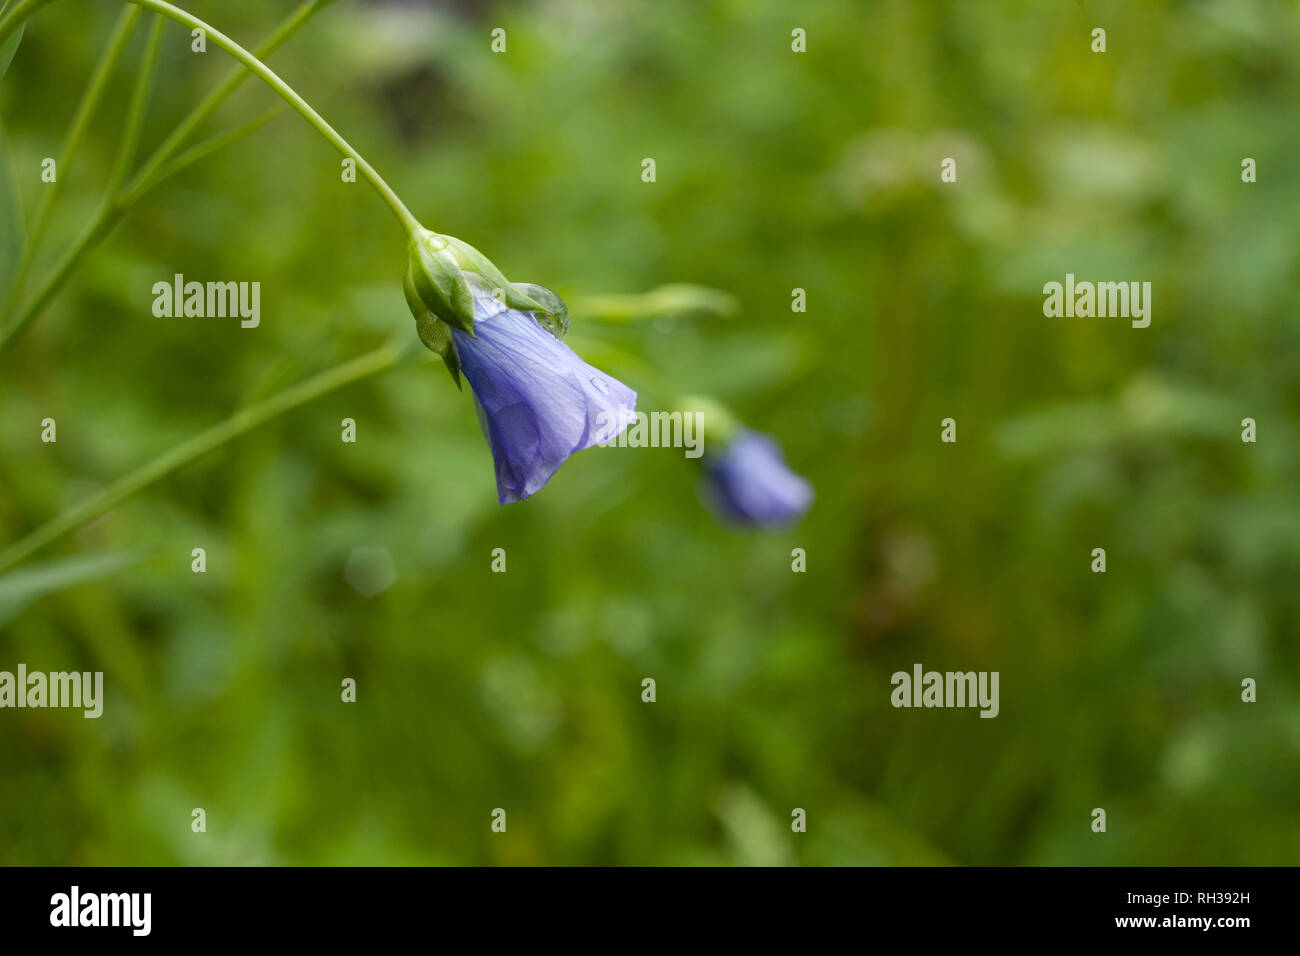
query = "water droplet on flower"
{"x": 557, "y": 320}
{"x": 601, "y": 385}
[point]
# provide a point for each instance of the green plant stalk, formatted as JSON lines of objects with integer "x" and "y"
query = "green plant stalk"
{"x": 232, "y": 82}
{"x": 100, "y": 225}
{"x": 202, "y": 150}
{"x": 409, "y": 223}
{"x": 18, "y": 16}
{"x": 372, "y": 363}
{"x": 113, "y": 209}
{"x": 678, "y": 300}
{"x": 90, "y": 100}
{"x": 139, "y": 106}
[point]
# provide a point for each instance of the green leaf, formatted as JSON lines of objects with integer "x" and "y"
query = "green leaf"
{"x": 20, "y": 588}
{"x": 11, "y": 45}
{"x": 13, "y": 235}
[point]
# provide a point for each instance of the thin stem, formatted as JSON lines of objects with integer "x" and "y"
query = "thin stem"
{"x": 678, "y": 300}
{"x": 90, "y": 100}
{"x": 202, "y": 150}
{"x": 112, "y": 211}
{"x": 18, "y": 16}
{"x": 100, "y": 225}
{"x": 264, "y": 73}
{"x": 372, "y": 363}
{"x": 139, "y": 106}
{"x": 219, "y": 95}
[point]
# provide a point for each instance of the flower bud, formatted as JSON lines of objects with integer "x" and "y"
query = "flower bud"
{"x": 433, "y": 332}
{"x": 448, "y": 285}
{"x": 538, "y": 401}
{"x": 749, "y": 482}
{"x": 480, "y": 266}
{"x": 439, "y": 281}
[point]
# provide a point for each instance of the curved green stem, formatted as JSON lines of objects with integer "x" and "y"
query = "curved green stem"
{"x": 372, "y": 363}
{"x": 139, "y": 106}
{"x": 679, "y": 300}
{"x": 103, "y": 222}
{"x": 18, "y": 16}
{"x": 112, "y": 211}
{"x": 269, "y": 77}
{"x": 90, "y": 100}
{"x": 219, "y": 95}
{"x": 199, "y": 151}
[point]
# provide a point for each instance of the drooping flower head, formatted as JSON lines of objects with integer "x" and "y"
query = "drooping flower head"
{"x": 538, "y": 402}
{"x": 749, "y": 482}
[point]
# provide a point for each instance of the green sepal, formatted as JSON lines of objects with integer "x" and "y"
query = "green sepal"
{"x": 471, "y": 260}
{"x": 439, "y": 282}
{"x": 413, "y": 301}
{"x": 436, "y": 336}
{"x": 434, "y": 333}
{"x": 554, "y": 315}
{"x": 525, "y": 303}
{"x": 452, "y": 360}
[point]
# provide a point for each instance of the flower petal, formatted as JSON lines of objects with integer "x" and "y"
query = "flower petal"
{"x": 750, "y": 483}
{"x": 538, "y": 401}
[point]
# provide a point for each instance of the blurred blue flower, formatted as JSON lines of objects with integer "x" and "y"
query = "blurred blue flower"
{"x": 750, "y": 483}
{"x": 538, "y": 402}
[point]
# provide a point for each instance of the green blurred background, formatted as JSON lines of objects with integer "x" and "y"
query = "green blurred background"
{"x": 775, "y": 170}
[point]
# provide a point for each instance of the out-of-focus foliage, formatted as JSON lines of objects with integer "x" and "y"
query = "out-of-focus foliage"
{"x": 775, "y": 170}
